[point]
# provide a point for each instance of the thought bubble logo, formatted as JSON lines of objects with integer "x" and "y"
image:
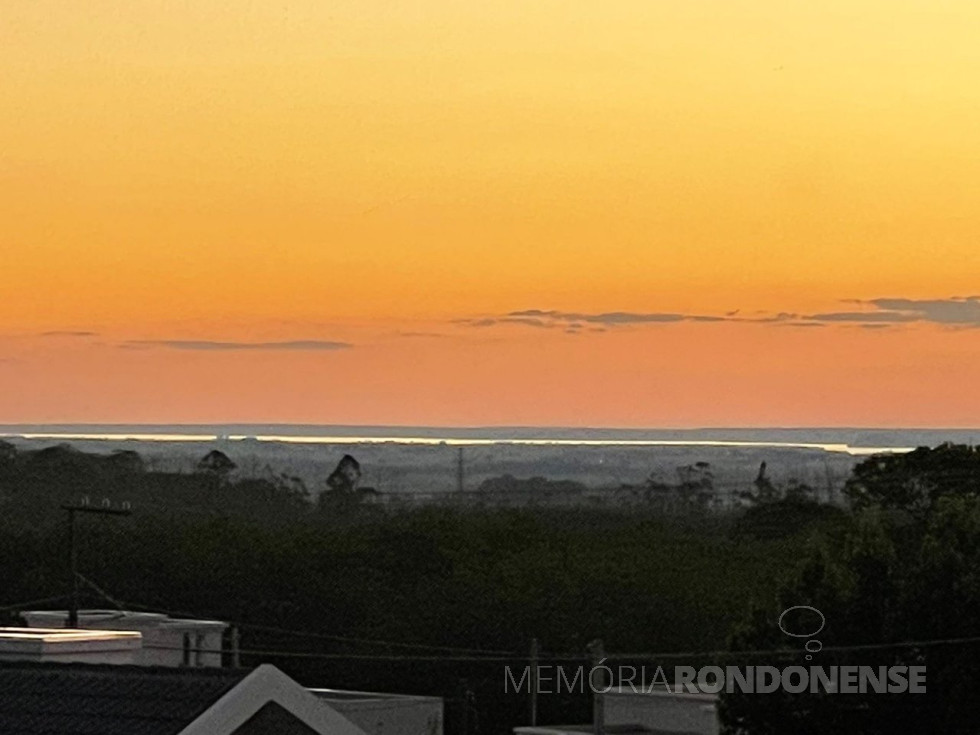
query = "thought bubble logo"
{"x": 799, "y": 620}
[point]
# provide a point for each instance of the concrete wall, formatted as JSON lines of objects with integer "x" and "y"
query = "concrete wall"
{"x": 683, "y": 712}
{"x": 180, "y": 646}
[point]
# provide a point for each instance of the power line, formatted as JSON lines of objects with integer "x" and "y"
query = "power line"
{"x": 787, "y": 651}
{"x": 101, "y": 592}
{"x": 488, "y": 655}
{"x": 343, "y": 656}
{"x": 928, "y": 643}
{"x": 323, "y": 636}
{"x": 499, "y": 655}
{"x": 33, "y": 603}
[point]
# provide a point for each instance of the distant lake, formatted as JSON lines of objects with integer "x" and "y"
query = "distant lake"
{"x": 464, "y": 438}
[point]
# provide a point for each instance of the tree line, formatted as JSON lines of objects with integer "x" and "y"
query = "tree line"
{"x": 899, "y": 564}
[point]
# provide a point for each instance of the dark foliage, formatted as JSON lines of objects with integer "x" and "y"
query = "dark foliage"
{"x": 900, "y": 574}
{"x": 257, "y": 552}
{"x": 914, "y": 482}
{"x": 784, "y": 518}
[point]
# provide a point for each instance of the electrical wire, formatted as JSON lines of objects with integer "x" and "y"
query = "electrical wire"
{"x": 33, "y": 603}
{"x": 927, "y": 643}
{"x": 322, "y": 636}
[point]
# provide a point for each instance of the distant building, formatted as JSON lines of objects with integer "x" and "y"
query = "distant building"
{"x": 629, "y": 711}
{"x": 609, "y": 730}
{"x": 166, "y": 641}
{"x": 682, "y": 711}
{"x": 386, "y": 714}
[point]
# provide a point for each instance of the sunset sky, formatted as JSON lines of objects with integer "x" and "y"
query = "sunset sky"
{"x": 636, "y": 213}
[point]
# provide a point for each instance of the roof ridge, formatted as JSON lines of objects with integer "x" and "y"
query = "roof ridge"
{"x": 80, "y": 666}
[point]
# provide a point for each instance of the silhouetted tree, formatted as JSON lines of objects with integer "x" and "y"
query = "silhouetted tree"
{"x": 799, "y": 492}
{"x": 216, "y": 463}
{"x": 7, "y": 451}
{"x": 341, "y": 494}
{"x": 902, "y": 568}
{"x": 697, "y": 485}
{"x": 346, "y": 475}
{"x": 915, "y": 481}
{"x": 765, "y": 491}
{"x": 126, "y": 460}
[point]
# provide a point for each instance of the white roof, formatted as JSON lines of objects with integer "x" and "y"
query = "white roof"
{"x": 66, "y": 640}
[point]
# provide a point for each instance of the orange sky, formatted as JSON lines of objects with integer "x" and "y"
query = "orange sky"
{"x": 325, "y": 212}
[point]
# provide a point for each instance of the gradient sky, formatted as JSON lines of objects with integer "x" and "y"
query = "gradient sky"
{"x": 623, "y": 213}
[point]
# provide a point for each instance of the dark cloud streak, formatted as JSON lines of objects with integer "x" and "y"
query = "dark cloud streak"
{"x": 215, "y": 346}
{"x": 880, "y": 313}
{"x": 864, "y": 317}
{"x": 610, "y": 318}
{"x": 957, "y": 311}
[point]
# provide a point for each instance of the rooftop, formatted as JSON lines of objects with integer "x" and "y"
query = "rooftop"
{"x": 356, "y": 696}
{"x": 58, "y": 635}
{"x": 46, "y": 643}
{"x": 627, "y": 729}
{"x": 82, "y": 699}
{"x": 125, "y": 619}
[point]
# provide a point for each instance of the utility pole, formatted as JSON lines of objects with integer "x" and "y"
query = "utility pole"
{"x": 236, "y": 662}
{"x": 460, "y": 475}
{"x": 104, "y": 510}
{"x": 464, "y": 699}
